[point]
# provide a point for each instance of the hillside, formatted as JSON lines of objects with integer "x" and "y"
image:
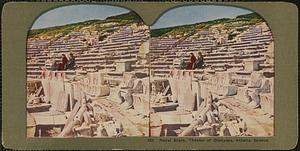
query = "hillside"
{"x": 98, "y": 25}
{"x": 248, "y": 19}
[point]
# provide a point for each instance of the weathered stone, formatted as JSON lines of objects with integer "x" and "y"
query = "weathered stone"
{"x": 102, "y": 91}
{"x": 174, "y": 89}
{"x": 255, "y": 103}
{"x": 31, "y": 125}
{"x": 114, "y": 95}
{"x": 267, "y": 103}
{"x": 196, "y": 90}
{"x": 101, "y": 131}
{"x": 266, "y": 87}
{"x": 61, "y": 104}
{"x": 141, "y": 103}
{"x": 224, "y": 131}
{"x": 206, "y": 130}
{"x": 255, "y": 80}
{"x": 230, "y": 90}
{"x": 179, "y": 118}
{"x": 83, "y": 131}
{"x": 243, "y": 95}
{"x": 252, "y": 65}
{"x": 123, "y": 66}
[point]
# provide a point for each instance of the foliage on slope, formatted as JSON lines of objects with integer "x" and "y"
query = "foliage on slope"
{"x": 99, "y": 25}
{"x": 247, "y": 19}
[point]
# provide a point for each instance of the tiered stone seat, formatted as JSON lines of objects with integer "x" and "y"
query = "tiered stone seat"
{"x": 90, "y": 53}
{"x": 253, "y": 43}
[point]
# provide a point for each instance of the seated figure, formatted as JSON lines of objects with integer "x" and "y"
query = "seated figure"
{"x": 54, "y": 66}
{"x": 71, "y": 62}
{"x": 199, "y": 62}
{"x": 63, "y": 64}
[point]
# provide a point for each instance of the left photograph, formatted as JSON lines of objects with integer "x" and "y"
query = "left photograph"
{"x": 88, "y": 73}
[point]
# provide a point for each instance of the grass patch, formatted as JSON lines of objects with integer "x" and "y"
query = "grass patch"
{"x": 98, "y": 25}
{"x": 227, "y": 24}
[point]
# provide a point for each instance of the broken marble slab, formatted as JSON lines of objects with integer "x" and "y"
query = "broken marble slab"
{"x": 266, "y": 86}
{"x": 186, "y": 99}
{"x": 46, "y": 87}
{"x": 255, "y": 100}
{"x": 174, "y": 88}
{"x": 176, "y": 118}
{"x": 206, "y": 130}
{"x": 78, "y": 91}
{"x": 267, "y": 103}
{"x": 196, "y": 90}
{"x": 102, "y": 91}
{"x": 252, "y": 64}
{"x": 69, "y": 89}
{"x": 83, "y": 131}
{"x": 141, "y": 103}
{"x": 229, "y": 90}
{"x": 114, "y": 95}
{"x": 61, "y": 104}
{"x": 54, "y": 91}
{"x": 255, "y": 80}
{"x": 243, "y": 94}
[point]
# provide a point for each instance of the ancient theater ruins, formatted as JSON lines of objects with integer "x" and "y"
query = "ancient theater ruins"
{"x": 104, "y": 93}
{"x": 117, "y": 76}
{"x": 229, "y": 94}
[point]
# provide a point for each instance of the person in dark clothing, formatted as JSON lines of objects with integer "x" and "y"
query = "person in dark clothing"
{"x": 200, "y": 61}
{"x": 182, "y": 64}
{"x": 54, "y": 66}
{"x": 191, "y": 64}
{"x": 64, "y": 62}
{"x": 71, "y": 62}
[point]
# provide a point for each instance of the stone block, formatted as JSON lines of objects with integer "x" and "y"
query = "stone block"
{"x": 176, "y": 118}
{"x": 252, "y": 65}
{"x": 141, "y": 103}
{"x": 83, "y": 131}
{"x": 102, "y": 91}
{"x": 62, "y": 103}
{"x": 267, "y": 103}
{"x": 69, "y": 89}
{"x": 170, "y": 106}
{"x": 230, "y": 90}
{"x": 255, "y": 80}
{"x": 123, "y": 66}
{"x": 242, "y": 94}
{"x": 186, "y": 99}
{"x": 114, "y": 95}
{"x": 266, "y": 87}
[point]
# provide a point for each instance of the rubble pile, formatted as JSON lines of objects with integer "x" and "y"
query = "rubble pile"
{"x": 188, "y": 104}
{"x": 35, "y": 97}
{"x": 81, "y": 121}
{"x": 79, "y": 104}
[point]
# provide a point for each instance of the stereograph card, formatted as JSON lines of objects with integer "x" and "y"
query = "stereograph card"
{"x": 149, "y": 75}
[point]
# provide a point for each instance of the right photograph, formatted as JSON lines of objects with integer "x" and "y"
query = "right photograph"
{"x": 211, "y": 73}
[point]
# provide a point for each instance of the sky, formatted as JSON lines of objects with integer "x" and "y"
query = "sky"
{"x": 173, "y": 17}
{"x": 76, "y": 13}
{"x": 195, "y": 14}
